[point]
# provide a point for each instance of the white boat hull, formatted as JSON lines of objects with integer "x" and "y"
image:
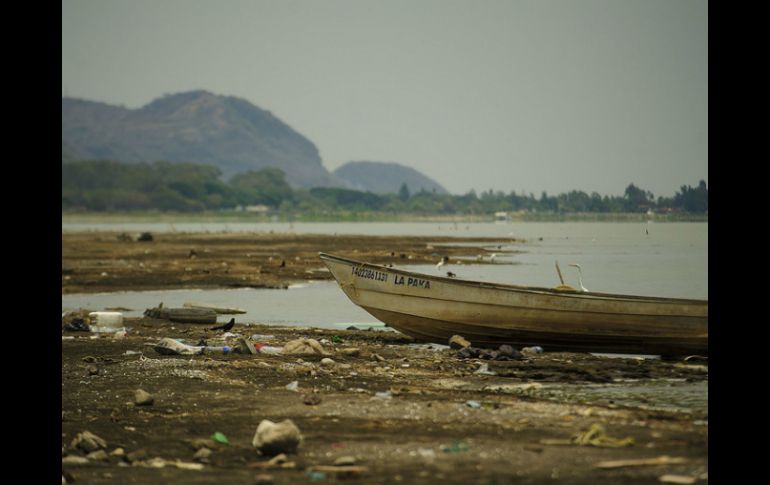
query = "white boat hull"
{"x": 434, "y": 308}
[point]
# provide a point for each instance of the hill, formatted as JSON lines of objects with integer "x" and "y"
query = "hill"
{"x": 224, "y": 131}
{"x": 385, "y": 178}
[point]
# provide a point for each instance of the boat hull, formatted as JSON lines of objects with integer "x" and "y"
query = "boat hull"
{"x": 433, "y": 309}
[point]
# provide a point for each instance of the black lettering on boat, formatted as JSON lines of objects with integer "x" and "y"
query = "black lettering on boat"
{"x": 369, "y": 274}
{"x": 416, "y": 282}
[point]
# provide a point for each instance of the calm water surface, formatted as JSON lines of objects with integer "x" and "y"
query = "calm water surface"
{"x": 665, "y": 259}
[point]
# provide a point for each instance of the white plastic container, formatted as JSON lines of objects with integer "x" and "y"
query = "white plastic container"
{"x": 106, "y": 319}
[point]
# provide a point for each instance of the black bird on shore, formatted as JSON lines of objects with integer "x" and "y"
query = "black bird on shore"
{"x": 226, "y": 327}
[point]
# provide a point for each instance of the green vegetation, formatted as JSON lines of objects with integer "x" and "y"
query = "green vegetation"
{"x": 107, "y": 186}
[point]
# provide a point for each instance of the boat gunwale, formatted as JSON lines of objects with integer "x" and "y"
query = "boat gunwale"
{"x": 513, "y": 287}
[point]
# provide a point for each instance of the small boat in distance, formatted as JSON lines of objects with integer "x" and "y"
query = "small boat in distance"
{"x": 434, "y": 308}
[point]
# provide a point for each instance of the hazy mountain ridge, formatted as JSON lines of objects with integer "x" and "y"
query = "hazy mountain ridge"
{"x": 197, "y": 126}
{"x": 385, "y": 177}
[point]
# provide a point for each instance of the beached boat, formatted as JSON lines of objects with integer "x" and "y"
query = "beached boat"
{"x": 434, "y": 308}
{"x": 221, "y": 310}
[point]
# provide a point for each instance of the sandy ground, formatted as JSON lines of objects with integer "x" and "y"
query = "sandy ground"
{"x": 395, "y": 411}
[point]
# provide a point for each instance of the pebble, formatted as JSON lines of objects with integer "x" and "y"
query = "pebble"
{"x": 118, "y": 452}
{"x": 88, "y": 442}
{"x": 263, "y": 479}
{"x": 136, "y": 455}
{"x": 143, "y": 398}
{"x": 312, "y": 399}
{"x": 351, "y": 352}
{"x": 92, "y": 370}
{"x": 327, "y": 361}
{"x": 202, "y": 455}
{"x": 98, "y": 455}
{"x": 74, "y": 460}
{"x": 345, "y": 461}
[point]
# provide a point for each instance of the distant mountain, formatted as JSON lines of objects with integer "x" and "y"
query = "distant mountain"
{"x": 227, "y": 132}
{"x": 385, "y": 177}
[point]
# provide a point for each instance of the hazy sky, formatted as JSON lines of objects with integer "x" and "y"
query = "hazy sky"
{"x": 506, "y": 95}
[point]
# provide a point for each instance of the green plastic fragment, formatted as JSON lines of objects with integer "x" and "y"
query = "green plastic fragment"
{"x": 220, "y": 438}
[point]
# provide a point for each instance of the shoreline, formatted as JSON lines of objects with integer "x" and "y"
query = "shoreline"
{"x": 392, "y": 410}
{"x": 245, "y": 217}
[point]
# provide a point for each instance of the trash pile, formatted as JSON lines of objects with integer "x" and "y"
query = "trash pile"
{"x": 504, "y": 352}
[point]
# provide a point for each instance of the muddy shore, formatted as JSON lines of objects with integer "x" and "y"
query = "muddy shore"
{"x": 103, "y": 261}
{"x": 394, "y": 411}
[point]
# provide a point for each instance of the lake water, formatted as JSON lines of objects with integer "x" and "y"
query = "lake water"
{"x": 655, "y": 259}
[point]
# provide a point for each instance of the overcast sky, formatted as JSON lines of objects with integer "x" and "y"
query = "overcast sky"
{"x": 532, "y": 95}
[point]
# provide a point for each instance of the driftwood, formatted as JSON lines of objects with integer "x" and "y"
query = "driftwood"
{"x": 182, "y": 315}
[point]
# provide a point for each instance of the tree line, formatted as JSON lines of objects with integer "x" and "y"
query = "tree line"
{"x": 109, "y": 186}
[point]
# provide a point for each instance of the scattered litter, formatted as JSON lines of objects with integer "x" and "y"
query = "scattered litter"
{"x": 340, "y": 471}
{"x": 337, "y": 339}
{"x": 303, "y": 346}
{"x": 259, "y": 336}
{"x": 219, "y": 437}
{"x": 456, "y": 447}
{"x": 683, "y": 479}
{"x": 593, "y": 436}
{"x": 473, "y": 404}
{"x": 383, "y": 395}
{"x": 532, "y": 350}
{"x": 77, "y": 325}
{"x": 660, "y": 460}
{"x": 106, "y": 319}
{"x": 169, "y": 346}
{"x": 293, "y": 386}
{"x": 246, "y": 347}
{"x": 484, "y": 370}
{"x": 316, "y": 476}
{"x": 504, "y": 352}
{"x": 266, "y": 349}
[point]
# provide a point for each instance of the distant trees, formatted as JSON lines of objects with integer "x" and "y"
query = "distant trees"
{"x": 267, "y": 186}
{"x": 187, "y": 187}
{"x": 693, "y": 199}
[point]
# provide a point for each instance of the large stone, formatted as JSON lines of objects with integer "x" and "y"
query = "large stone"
{"x": 273, "y": 438}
